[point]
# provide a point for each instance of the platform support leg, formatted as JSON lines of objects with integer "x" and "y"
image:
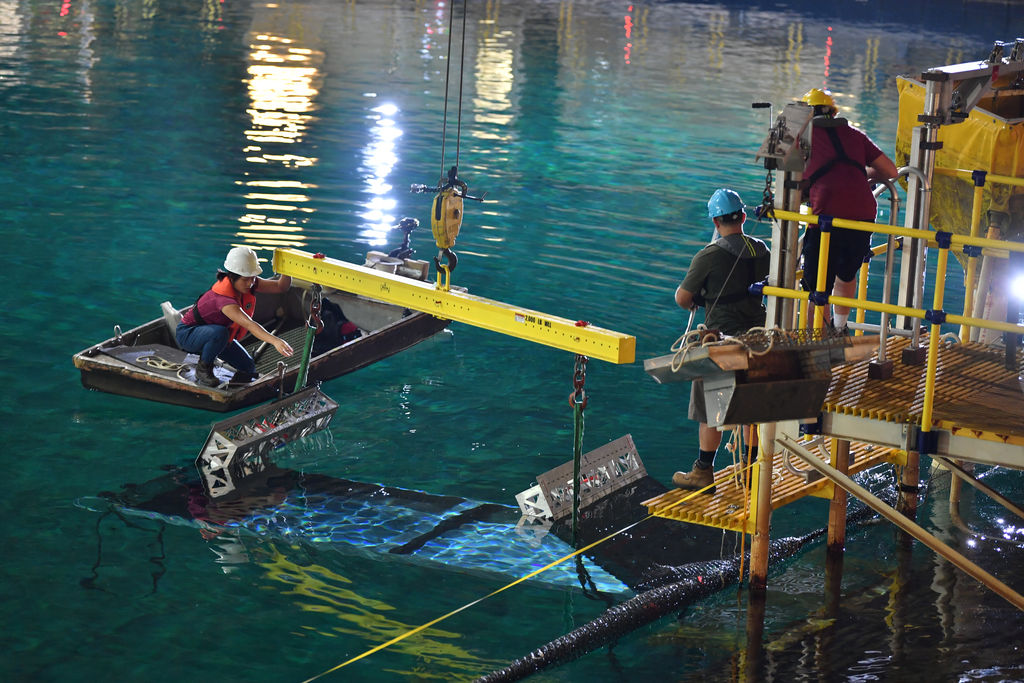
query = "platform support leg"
{"x": 759, "y": 546}
{"x": 955, "y": 488}
{"x": 836, "y": 530}
{"x": 910, "y": 479}
{"x": 753, "y": 662}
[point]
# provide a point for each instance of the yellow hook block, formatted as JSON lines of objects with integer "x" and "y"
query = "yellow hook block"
{"x": 446, "y": 218}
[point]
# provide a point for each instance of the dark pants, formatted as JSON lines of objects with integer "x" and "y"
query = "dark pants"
{"x": 847, "y": 250}
{"x": 212, "y": 342}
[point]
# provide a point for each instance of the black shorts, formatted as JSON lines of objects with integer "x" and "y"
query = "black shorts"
{"x": 847, "y": 251}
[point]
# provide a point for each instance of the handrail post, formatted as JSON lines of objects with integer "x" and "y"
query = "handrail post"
{"x": 825, "y": 240}
{"x": 862, "y": 292}
{"x": 911, "y": 475}
{"x": 881, "y": 368}
{"x": 972, "y": 258}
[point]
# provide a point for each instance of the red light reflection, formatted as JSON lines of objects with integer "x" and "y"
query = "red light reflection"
{"x": 828, "y": 57}
{"x": 628, "y": 25}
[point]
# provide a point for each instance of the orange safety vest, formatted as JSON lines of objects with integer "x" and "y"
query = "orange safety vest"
{"x": 247, "y": 302}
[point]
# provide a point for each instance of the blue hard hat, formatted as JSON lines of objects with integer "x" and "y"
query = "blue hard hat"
{"x": 724, "y": 202}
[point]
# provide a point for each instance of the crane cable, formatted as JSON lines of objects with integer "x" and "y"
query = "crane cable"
{"x": 447, "y": 80}
{"x": 446, "y": 210}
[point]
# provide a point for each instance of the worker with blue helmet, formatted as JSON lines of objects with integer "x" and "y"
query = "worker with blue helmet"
{"x": 719, "y": 278}
{"x": 723, "y": 202}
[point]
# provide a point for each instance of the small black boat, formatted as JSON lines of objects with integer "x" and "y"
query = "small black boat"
{"x": 145, "y": 362}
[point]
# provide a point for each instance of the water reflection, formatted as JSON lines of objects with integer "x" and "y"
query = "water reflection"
{"x": 379, "y": 159}
{"x": 284, "y": 81}
{"x": 14, "y": 22}
{"x": 494, "y": 78}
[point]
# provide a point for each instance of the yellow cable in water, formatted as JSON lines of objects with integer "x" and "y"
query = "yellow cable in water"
{"x": 532, "y": 574}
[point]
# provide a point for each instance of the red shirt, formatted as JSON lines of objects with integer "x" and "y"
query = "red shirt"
{"x": 843, "y": 191}
{"x": 211, "y": 306}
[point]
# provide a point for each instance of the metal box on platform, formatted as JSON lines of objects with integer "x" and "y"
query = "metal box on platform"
{"x": 763, "y": 377}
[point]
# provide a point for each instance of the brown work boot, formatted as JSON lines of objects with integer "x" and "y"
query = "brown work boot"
{"x": 243, "y": 377}
{"x": 205, "y": 376}
{"x": 697, "y": 478}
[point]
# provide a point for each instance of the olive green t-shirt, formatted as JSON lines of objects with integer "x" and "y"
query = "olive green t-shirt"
{"x": 718, "y": 277}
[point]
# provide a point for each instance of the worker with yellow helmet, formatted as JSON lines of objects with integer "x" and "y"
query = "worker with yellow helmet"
{"x": 838, "y": 179}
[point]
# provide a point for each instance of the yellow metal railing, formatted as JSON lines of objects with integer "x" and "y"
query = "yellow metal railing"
{"x": 989, "y": 177}
{"x": 979, "y": 178}
{"x": 936, "y": 316}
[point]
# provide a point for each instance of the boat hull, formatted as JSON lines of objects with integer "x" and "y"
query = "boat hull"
{"x": 114, "y": 367}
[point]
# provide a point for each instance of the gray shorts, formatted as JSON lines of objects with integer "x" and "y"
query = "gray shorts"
{"x": 697, "y": 413}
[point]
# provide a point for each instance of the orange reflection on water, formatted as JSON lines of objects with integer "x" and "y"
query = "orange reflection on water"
{"x": 284, "y": 82}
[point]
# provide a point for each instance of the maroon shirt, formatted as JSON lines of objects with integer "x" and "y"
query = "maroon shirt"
{"x": 213, "y": 301}
{"x": 843, "y": 191}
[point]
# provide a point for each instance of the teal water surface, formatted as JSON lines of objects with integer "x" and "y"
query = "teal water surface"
{"x": 138, "y": 141}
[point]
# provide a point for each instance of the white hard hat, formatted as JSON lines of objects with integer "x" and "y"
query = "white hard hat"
{"x": 243, "y": 261}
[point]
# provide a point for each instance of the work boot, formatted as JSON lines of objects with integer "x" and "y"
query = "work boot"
{"x": 697, "y": 478}
{"x": 205, "y": 376}
{"x": 243, "y": 377}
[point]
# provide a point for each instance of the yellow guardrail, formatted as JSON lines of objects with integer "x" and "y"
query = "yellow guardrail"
{"x": 938, "y": 296}
{"x": 914, "y": 233}
{"x": 979, "y": 178}
{"x": 989, "y": 177}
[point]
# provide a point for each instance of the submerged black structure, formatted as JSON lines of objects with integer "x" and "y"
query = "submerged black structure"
{"x": 666, "y": 590}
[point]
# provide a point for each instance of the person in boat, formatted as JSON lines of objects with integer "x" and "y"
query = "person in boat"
{"x": 223, "y": 315}
{"x": 843, "y": 166}
{"x": 718, "y": 279}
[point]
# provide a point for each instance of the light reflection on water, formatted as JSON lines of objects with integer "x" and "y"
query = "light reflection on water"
{"x": 284, "y": 80}
{"x": 379, "y": 160}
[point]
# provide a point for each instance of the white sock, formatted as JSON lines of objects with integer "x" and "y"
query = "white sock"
{"x": 839, "y": 319}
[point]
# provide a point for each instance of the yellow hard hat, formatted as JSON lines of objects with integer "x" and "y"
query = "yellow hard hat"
{"x": 819, "y": 98}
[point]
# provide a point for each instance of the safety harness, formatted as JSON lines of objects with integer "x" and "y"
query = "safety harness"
{"x": 829, "y": 126}
{"x": 748, "y": 250}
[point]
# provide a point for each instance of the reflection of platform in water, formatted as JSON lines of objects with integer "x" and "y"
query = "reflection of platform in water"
{"x": 978, "y": 416}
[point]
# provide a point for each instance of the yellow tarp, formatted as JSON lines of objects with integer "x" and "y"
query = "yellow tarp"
{"x": 987, "y": 141}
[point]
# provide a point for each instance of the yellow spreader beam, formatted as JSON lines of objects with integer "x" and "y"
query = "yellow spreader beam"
{"x": 593, "y": 342}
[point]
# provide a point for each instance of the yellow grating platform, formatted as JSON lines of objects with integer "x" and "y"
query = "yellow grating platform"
{"x": 975, "y": 395}
{"x": 726, "y": 508}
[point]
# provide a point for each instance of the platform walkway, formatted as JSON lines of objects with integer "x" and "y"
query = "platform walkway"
{"x": 978, "y": 416}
